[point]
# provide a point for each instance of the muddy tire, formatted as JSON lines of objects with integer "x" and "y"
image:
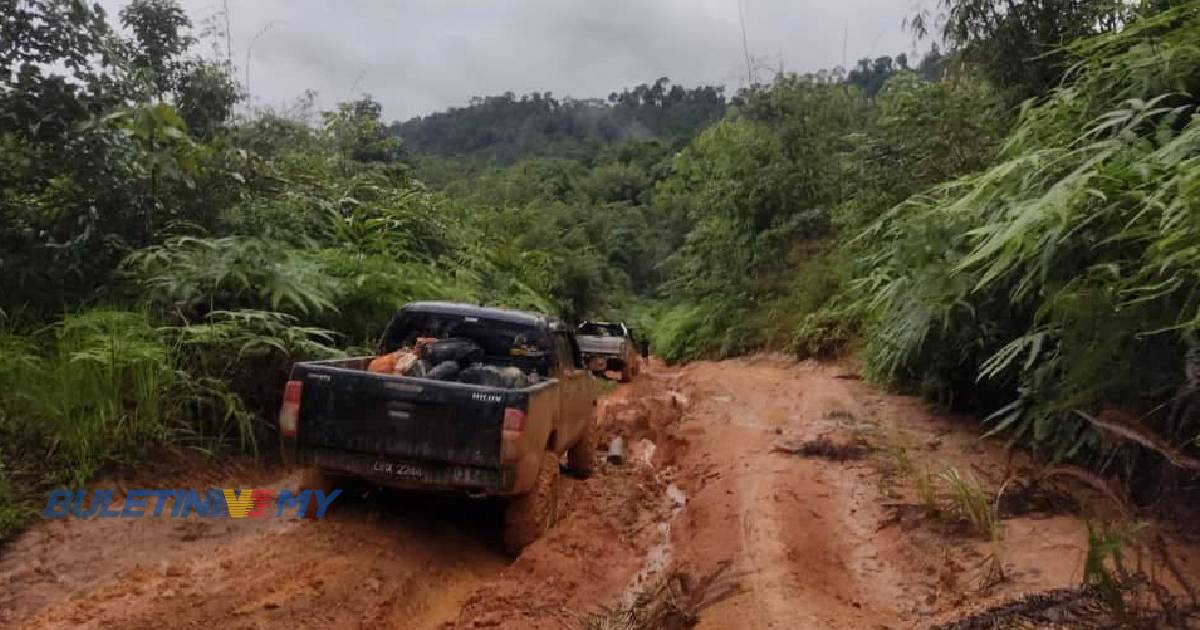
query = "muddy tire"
{"x": 581, "y": 459}
{"x": 528, "y": 516}
{"x": 626, "y": 373}
{"x": 317, "y": 479}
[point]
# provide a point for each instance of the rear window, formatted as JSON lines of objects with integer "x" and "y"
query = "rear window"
{"x": 503, "y": 342}
{"x": 601, "y": 330}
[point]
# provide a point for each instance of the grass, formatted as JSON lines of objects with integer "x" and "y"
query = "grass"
{"x": 925, "y": 483}
{"x": 100, "y": 389}
{"x": 896, "y": 465}
{"x": 971, "y": 502}
{"x": 1103, "y": 567}
{"x": 949, "y": 496}
{"x": 15, "y": 510}
{"x": 604, "y": 386}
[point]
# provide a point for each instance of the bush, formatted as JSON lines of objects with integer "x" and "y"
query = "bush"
{"x": 1064, "y": 278}
{"x": 100, "y": 392}
{"x": 192, "y": 276}
{"x": 707, "y": 330}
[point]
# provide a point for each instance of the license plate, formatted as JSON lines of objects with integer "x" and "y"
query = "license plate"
{"x": 397, "y": 470}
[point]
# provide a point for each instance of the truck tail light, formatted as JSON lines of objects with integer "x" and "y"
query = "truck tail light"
{"x": 510, "y": 437}
{"x": 289, "y": 412}
{"x": 514, "y": 419}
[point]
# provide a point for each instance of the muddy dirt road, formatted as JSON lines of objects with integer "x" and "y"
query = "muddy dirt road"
{"x": 708, "y": 522}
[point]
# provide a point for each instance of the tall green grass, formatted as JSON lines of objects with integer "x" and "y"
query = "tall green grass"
{"x": 1067, "y": 275}
{"x": 98, "y": 391}
{"x": 798, "y": 311}
{"x": 103, "y": 389}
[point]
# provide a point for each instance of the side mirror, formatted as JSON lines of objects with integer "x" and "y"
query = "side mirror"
{"x": 645, "y": 348}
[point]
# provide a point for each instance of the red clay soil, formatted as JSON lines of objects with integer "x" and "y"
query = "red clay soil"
{"x": 708, "y": 487}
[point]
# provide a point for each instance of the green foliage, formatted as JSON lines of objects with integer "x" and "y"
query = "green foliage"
{"x": 194, "y": 276}
{"x": 1103, "y": 567}
{"x": 972, "y": 503}
{"x": 1018, "y": 44}
{"x": 774, "y": 193}
{"x": 1063, "y": 277}
{"x": 206, "y": 97}
{"x": 97, "y": 393}
{"x": 160, "y": 31}
{"x": 711, "y": 329}
{"x": 356, "y": 131}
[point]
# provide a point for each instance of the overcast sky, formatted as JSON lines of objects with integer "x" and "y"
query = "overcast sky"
{"x": 417, "y": 57}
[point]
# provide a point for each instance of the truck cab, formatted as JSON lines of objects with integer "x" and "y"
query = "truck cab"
{"x": 610, "y": 347}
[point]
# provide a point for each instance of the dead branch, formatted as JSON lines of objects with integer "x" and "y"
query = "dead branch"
{"x": 1146, "y": 438}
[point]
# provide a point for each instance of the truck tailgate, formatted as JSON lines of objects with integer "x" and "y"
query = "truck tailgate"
{"x": 403, "y": 418}
{"x": 600, "y": 345}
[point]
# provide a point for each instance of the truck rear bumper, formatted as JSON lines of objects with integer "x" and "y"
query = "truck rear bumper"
{"x": 410, "y": 475}
{"x": 603, "y": 362}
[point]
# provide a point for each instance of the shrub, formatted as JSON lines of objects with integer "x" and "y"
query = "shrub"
{"x": 1064, "y": 277}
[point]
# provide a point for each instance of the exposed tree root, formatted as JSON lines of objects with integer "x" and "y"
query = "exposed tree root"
{"x": 825, "y": 448}
{"x": 673, "y": 603}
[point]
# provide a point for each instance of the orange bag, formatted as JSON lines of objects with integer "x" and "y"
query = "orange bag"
{"x": 419, "y": 347}
{"x": 385, "y": 364}
{"x": 400, "y": 361}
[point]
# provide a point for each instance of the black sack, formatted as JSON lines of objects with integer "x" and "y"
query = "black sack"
{"x": 445, "y": 371}
{"x": 460, "y": 350}
{"x": 482, "y": 375}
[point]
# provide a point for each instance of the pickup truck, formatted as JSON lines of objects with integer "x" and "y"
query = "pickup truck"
{"x": 341, "y": 421}
{"x": 610, "y": 347}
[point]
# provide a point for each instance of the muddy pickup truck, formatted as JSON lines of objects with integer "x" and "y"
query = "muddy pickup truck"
{"x": 610, "y": 347}
{"x": 341, "y": 421}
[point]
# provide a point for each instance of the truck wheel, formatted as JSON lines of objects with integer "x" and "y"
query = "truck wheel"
{"x": 581, "y": 459}
{"x": 626, "y": 373}
{"x": 317, "y": 479}
{"x": 528, "y": 516}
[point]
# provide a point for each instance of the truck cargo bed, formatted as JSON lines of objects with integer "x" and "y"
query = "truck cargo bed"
{"x": 409, "y": 419}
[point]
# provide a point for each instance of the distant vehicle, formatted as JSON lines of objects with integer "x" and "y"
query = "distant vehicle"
{"x": 610, "y": 347}
{"x": 343, "y": 421}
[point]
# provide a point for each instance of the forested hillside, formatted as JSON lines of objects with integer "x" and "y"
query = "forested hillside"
{"x": 506, "y": 128}
{"x": 1004, "y": 232}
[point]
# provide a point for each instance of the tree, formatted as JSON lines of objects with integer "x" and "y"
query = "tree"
{"x": 160, "y": 30}
{"x": 205, "y": 96}
{"x": 357, "y": 131}
{"x": 1018, "y": 43}
{"x": 39, "y": 39}
{"x": 870, "y": 75}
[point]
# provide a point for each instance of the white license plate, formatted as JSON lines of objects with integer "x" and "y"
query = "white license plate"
{"x": 397, "y": 470}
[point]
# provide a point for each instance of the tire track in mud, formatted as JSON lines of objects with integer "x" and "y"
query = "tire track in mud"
{"x": 814, "y": 542}
{"x": 380, "y": 559}
{"x": 801, "y": 542}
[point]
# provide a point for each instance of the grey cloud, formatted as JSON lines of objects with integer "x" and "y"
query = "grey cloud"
{"x": 421, "y": 56}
